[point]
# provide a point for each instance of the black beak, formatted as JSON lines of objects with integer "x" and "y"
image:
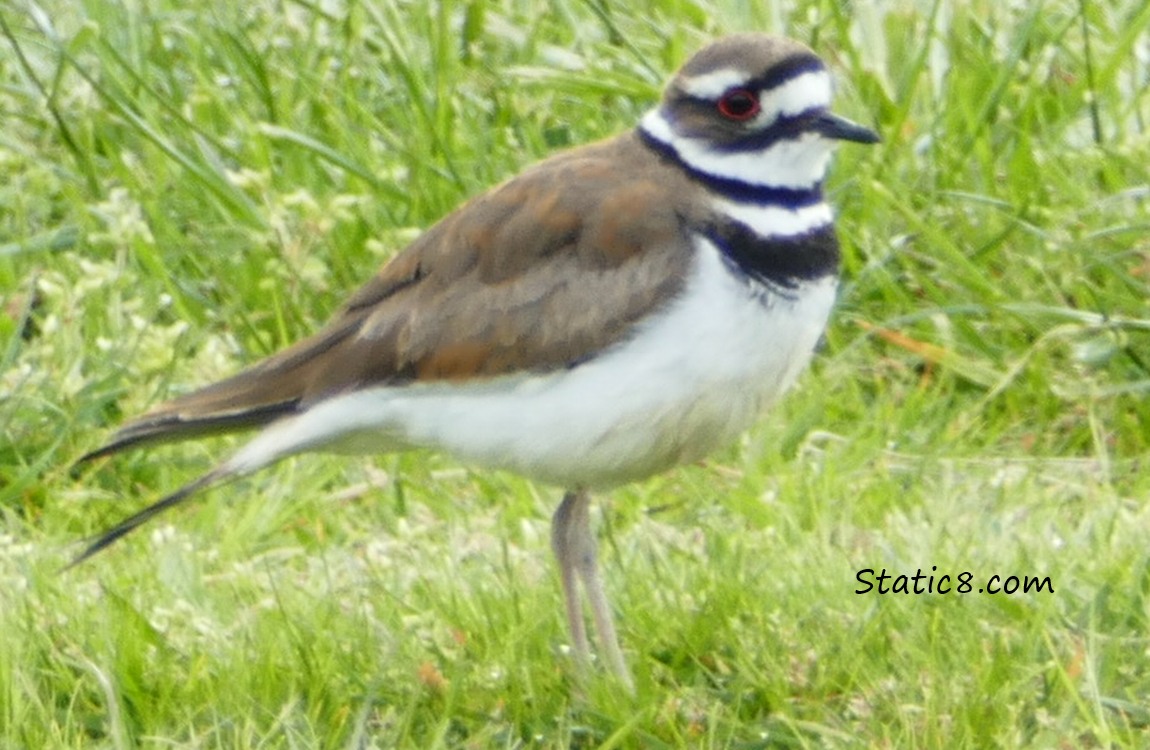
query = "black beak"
{"x": 838, "y": 128}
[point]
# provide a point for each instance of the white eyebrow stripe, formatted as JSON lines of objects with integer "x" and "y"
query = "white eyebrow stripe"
{"x": 714, "y": 84}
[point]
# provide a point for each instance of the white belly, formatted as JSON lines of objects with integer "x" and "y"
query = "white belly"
{"x": 689, "y": 381}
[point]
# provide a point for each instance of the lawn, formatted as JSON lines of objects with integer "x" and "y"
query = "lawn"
{"x": 186, "y": 187}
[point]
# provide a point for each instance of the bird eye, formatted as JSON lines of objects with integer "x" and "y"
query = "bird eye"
{"x": 739, "y": 105}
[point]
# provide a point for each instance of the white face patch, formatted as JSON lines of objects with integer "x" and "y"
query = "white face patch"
{"x": 799, "y": 163}
{"x": 802, "y": 93}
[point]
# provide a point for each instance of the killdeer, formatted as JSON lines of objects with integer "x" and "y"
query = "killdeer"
{"x": 609, "y": 313}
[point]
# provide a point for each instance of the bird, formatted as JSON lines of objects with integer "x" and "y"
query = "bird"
{"x": 613, "y": 311}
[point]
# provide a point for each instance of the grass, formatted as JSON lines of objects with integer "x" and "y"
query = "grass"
{"x": 187, "y": 187}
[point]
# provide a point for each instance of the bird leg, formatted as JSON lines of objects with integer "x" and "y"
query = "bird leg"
{"x": 574, "y": 548}
{"x": 563, "y": 541}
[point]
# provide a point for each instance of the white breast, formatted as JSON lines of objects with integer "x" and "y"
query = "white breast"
{"x": 687, "y": 382}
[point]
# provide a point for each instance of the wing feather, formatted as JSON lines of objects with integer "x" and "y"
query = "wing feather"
{"x": 540, "y": 273}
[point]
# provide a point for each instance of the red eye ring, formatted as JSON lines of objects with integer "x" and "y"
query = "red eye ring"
{"x": 739, "y": 105}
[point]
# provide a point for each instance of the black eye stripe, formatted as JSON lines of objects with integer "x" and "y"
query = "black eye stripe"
{"x": 788, "y": 127}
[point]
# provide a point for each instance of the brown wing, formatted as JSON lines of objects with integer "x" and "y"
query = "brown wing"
{"x": 538, "y": 274}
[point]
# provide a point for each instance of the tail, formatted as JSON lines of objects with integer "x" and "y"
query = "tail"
{"x": 106, "y": 538}
{"x": 224, "y": 407}
{"x": 177, "y": 420}
{"x": 251, "y": 399}
{"x": 269, "y": 390}
{"x": 308, "y": 429}
{"x": 272, "y": 394}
